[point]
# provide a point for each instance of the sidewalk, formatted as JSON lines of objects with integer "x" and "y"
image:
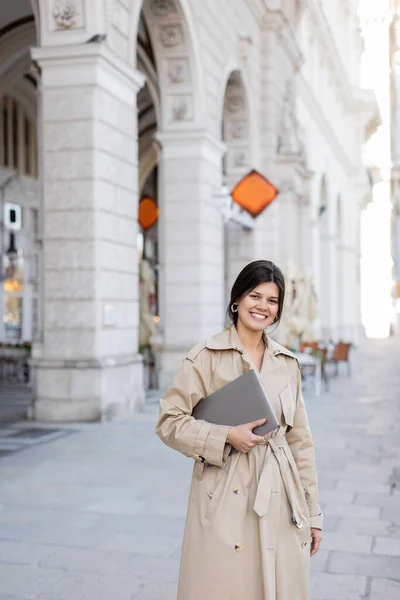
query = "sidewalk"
{"x": 96, "y": 511}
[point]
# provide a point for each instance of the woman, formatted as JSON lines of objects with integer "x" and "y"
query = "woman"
{"x": 253, "y": 518}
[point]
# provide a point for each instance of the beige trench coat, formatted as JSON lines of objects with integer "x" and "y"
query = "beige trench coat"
{"x": 247, "y": 534}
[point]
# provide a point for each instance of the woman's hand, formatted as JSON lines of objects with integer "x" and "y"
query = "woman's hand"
{"x": 242, "y": 437}
{"x": 316, "y": 535}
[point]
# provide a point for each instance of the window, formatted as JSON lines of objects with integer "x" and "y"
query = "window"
{"x": 13, "y": 288}
{"x": 18, "y": 147}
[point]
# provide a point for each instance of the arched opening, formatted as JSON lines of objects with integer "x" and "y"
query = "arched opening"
{"x": 237, "y": 162}
{"x": 19, "y": 195}
{"x": 166, "y": 104}
{"x": 148, "y": 102}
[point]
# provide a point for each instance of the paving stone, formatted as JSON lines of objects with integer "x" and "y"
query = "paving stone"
{"x": 7, "y": 597}
{"x": 351, "y": 510}
{"x": 87, "y": 561}
{"x": 363, "y": 487}
{"x": 85, "y": 586}
{"x": 325, "y": 483}
{"x": 347, "y": 542}
{"x": 141, "y": 544}
{"x": 117, "y": 506}
{"x": 157, "y": 592}
{"x": 364, "y": 526}
{"x": 392, "y": 514}
{"x": 339, "y": 497}
{"x": 387, "y": 546}
{"x": 27, "y": 581}
{"x": 380, "y": 500}
{"x": 21, "y": 553}
{"x": 319, "y": 561}
{"x": 386, "y": 567}
{"x": 384, "y": 589}
{"x": 325, "y": 586}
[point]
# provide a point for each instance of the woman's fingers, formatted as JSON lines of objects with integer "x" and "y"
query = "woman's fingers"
{"x": 257, "y": 439}
{"x": 257, "y": 423}
{"x": 316, "y": 541}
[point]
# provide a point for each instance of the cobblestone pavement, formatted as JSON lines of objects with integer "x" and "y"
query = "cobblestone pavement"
{"x": 96, "y": 512}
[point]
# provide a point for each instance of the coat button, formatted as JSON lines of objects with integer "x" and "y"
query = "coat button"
{"x": 237, "y": 490}
{"x": 210, "y": 494}
{"x": 304, "y": 544}
{"x": 238, "y": 547}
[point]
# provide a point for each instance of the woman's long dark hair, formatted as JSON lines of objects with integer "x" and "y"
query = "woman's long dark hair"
{"x": 259, "y": 271}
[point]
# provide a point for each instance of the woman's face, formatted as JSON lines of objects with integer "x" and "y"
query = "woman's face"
{"x": 258, "y": 308}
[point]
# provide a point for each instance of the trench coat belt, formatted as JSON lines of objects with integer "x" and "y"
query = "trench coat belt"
{"x": 278, "y": 447}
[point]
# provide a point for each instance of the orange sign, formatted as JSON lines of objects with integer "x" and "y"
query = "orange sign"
{"x": 254, "y": 193}
{"x": 148, "y": 212}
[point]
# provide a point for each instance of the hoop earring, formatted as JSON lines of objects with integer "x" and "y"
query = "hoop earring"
{"x": 234, "y": 307}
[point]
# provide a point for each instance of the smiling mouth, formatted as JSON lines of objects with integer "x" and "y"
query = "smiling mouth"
{"x": 258, "y": 316}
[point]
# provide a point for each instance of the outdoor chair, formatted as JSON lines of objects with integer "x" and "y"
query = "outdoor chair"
{"x": 341, "y": 353}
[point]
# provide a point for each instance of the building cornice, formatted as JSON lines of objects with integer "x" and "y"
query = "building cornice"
{"x": 324, "y": 124}
{"x": 331, "y": 52}
{"x": 276, "y": 20}
{"x": 87, "y": 53}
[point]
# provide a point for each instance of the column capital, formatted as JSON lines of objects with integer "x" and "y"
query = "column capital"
{"x": 84, "y": 55}
{"x": 191, "y": 143}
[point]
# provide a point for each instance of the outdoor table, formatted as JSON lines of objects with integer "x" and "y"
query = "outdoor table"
{"x": 313, "y": 363}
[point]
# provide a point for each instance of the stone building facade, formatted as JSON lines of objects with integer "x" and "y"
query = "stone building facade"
{"x": 174, "y": 100}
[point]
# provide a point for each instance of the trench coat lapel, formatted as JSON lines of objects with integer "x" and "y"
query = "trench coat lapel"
{"x": 275, "y": 374}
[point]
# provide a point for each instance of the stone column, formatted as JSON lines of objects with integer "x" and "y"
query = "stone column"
{"x": 328, "y": 285}
{"x": 86, "y": 362}
{"x": 191, "y": 244}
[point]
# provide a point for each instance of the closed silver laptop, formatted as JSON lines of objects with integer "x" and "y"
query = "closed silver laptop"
{"x": 241, "y": 401}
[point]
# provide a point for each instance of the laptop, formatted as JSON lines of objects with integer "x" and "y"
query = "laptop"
{"x": 241, "y": 401}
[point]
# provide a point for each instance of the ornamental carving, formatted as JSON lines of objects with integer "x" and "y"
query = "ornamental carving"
{"x": 238, "y": 130}
{"x": 289, "y": 141}
{"x": 234, "y": 101}
{"x": 163, "y": 8}
{"x": 234, "y": 104}
{"x": 65, "y": 14}
{"x": 181, "y": 109}
{"x": 178, "y": 72}
{"x": 240, "y": 159}
{"x": 171, "y": 36}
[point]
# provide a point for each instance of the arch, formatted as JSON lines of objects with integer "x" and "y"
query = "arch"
{"x": 231, "y": 70}
{"x": 235, "y": 133}
{"x": 15, "y": 53}
{"x": 236, "y": 129}
{"x": 171, "y": 29}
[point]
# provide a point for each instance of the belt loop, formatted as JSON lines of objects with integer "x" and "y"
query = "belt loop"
{"x": 199, "y": 470}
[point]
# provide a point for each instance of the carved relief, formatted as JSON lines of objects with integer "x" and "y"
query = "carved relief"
{"x": 238, "y": 130}
{"x": 66, "y": 14}
{"x": 240, "y": 158}
{"x": 178, "y": 71}
{"x": 171, "y": 36}
{"x": 181, "y": 109}
{"x": 163, "y": 8}
{"x": 234, "y": 104}
{"x": 234, "y": 101}
{"x": 289, "y": 138}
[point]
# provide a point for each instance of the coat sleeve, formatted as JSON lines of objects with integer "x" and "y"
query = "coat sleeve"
{"x": 301, "y": 445}
{"x": 176, "y": 427}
